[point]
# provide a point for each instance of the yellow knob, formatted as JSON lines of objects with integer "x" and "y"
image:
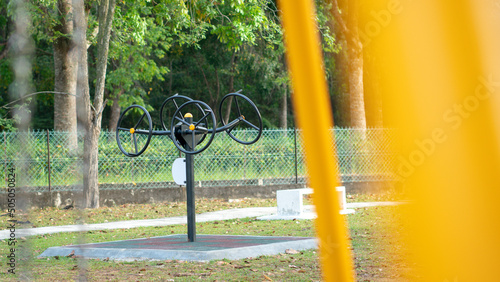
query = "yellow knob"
{"x": 191, "y": 127}
{"x": 188, "y": 115}
{"x": 132, "y": 130}
{"x": 242, "y": 116}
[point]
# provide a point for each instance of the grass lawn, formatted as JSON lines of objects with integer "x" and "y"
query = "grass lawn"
{"x": 50, "y": 216}
{"x": 378, "y": 250}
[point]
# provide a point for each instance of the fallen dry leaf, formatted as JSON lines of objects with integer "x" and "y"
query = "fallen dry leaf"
{"x": 182, "y": 274}
{"x": 291, "y": 251}
{"x": 267, "y": 277}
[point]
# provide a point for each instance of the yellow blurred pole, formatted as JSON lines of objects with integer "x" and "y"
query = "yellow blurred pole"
{"x": 442, "y": 87}
{"x": 314, "y": 117}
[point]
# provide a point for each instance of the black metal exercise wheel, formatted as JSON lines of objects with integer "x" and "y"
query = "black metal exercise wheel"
{"x": 190, "y": 130}
{"x": 237, "y": 107}
{"x": 168, "y": 108}
{"x": 134, "y": 131}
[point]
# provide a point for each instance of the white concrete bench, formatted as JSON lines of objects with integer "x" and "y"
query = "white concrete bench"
{"x": 291, "y": 204}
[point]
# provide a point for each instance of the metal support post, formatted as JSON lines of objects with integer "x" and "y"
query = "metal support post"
{"x": 191, "y": 214}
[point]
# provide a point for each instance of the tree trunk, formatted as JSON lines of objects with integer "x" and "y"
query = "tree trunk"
{"x": 340, "y": 85}
{"x": 356, "y": 93}
{"x": 115, "y": 111}
{"x": 373, "y": 97}
{"x": 82, "y": 85}
{"x": 5, "y": 51}
{"x": 198, "y": 63}
{"x": 217, "y": 83}
{"x": 378, "y": 118}
{"x": 94, "y": 113}
{"x": 231, "y": 88}
{"x": 355, "y": 55}
{"x": 91, "y": 164}
{"x": 283, "y": 110}
{"x": 65, "y": 66}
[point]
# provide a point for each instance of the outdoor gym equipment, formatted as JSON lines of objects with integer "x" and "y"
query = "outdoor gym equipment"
{"x": 192, "y": 128}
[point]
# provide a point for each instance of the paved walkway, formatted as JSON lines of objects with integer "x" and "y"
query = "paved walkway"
{"x": 209, "y": 216}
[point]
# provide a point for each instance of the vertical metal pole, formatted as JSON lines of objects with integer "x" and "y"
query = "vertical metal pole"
{"x": 295, "y": 152}
{"x": 48, "y": 158}
{"x": 191, "y": 215}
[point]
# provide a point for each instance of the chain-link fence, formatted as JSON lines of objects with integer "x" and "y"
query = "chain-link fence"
{"x": 277, "y": 158}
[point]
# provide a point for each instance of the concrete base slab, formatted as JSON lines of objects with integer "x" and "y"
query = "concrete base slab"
{"x": 176, "y": 247}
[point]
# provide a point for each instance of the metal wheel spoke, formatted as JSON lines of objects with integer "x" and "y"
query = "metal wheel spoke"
{"x": 183, "y": 121}
{"x": 203, "y": 118}
{"x": 177, "y": 107}
{"x": 142, "y": 117}
{"x": 237, "y": 106}
{"x": 123, "y": 129}
{"x": 251, "y": 124}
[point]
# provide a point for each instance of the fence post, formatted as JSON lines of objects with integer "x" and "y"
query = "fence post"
{"x": 48, "y": 160}
{"x": 295, "y": 153}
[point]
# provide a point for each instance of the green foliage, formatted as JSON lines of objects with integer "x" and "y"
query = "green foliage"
{"x": 243, "y": 22}
{"x": 202, "y": 49}
{"x": 6, "y": 78}
{"x": 143, "y": 34}
{"x": 44, "y": 18}
{"x": 6, "y": 124}
{"x": 325, "y": 23}
{"x": 6, "y": 74}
